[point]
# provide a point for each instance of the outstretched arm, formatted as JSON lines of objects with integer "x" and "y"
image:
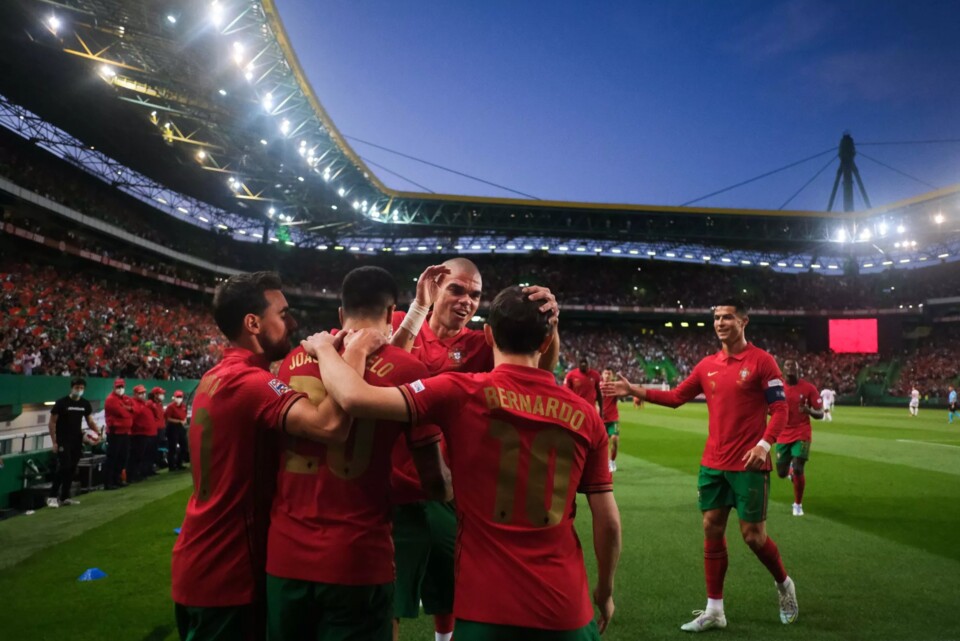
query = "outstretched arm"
{"x": 348, "y": 389}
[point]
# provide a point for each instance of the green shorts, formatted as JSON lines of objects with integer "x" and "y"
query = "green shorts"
{"x": 474, "y": 631}
{"x": 746, "y": 491}
{"x": 326, "y": 612}
{"x": 797, "y": 449}
{"x": 424, "y": 538}
{"x": 613, "y": 428}
{"x": 234, "y": 623}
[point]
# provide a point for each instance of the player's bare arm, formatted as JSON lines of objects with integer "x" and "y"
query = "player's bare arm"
{"x": 606, "y": 545}
{"x": 92, "y": 424}
{"x": 550, "y": 357}
{"x": 428, "y": 286}
{"x": 809, "y": 410}
{"x": 326, "y": 422}
{"x": 434, "y": 474}
{"x": 348, "y": 389}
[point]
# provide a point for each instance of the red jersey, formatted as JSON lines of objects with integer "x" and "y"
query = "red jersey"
{"x": 175, "y": 412}
{"x": 142, "y": 418}
{"x": 219, "y": 555}
{"x": 798, "y": 423}
{"x": 583, "y": 385}
{"x": 611, "y": 412}
{"x": 466, "y": 352}
{"x": 740, "y": 390}
{"x": 331, "y": 517}
{"x": 118, "y": 411}
{"x": 158, "y": 421}
{"x": 520, "y": 447}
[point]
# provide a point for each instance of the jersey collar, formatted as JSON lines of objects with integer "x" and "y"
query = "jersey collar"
{"x": 534, "y": 372}
{"x": 723, "y": 357}
{"x": 244, "y": 354}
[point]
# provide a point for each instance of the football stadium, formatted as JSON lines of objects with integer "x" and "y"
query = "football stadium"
{"x": 509, "y": 418}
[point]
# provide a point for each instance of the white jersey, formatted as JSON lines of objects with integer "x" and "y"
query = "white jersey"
{"x": 914, "y": 397}
{"x": 828, "y": 396}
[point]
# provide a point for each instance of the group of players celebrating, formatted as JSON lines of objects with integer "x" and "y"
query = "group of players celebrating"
{"x": 406, "y": 459}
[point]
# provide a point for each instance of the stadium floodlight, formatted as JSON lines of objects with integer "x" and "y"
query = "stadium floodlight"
{"x": 684, "y": 324}
{"x": 108, "y": 71}
{"x": 651, "y": 253}
{"x": 285, "y": 127}
{"x": 222, "y": 226}
{"x": 939, "y": 218}
{"x": 202, "y": 219}
{"x": 943, "y": 255}
{"x": 745, "y": 262}
{"x": 615, "y": 250}
{"x": 342, "y": 192}
{"x": 598, "y": 249}
{"x": 798, "y": 265}
{"x": 216, "y": 13}
{"x": 356, "y": 204}
{"x": 421, "y": 248}
{"x": 354, "y": 248}
{"x": 865, "y": 234}
{"x": 671, "y": 255}
{"x": 901, "y": 229}
{"x": 238, "y": 52}
{"x": 491, "y": 247}
{"x": 333, "y": 207}
{"x": 183, "y": 210}
{"x": 581, "y": 249}
{"x": 781, "y": 264}
{"x": 527, "y": 247}
{"x": 868, "y": 265}
{"x": 201, "y": 154}
{"x": 263, "y": 141}
{"x": 764, "y": 263}
{"x": 172, "y": 19}
{"x": 913, "y": 243}
{"x": 833, "y": 267}
{"x": 563, "y": 248}
{"x": 248, "y": 75}
{"x": 882, "y": 228}
{"x": 222, "y": 92}
{"x": 725, "y": 259}
{"x": 904, "y": 260}
{"x": 842, "y": 235}
{"x": 301, "y": 178}
{"x": 634, "y": 252}
{"x": 668, "y": 324}
{"x": 511, "y": 246}
{"x": 688, "y": 256}
{"x": 815, "y": 266}
{"x": 887, "y": 262}
{"x": 707, "y": 259}
{"x": 268, "y": 101}
{"x": 544, "y": 248}
{"x": 288, "y": 242}
{"x": 54, "y": 23}
{"x": 701, "y": 324}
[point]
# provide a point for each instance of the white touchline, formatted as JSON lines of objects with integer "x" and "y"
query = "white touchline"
{"x": 906, "y": 440}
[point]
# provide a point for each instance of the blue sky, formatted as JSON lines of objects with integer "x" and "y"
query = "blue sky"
{"x": 639, "y": 102}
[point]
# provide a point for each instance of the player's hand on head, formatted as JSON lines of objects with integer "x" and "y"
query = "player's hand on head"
{"x": 313, "y": 344}
{"x": 543, "y": 294}
{"x": 428, "y": 285}
{"x": 604, "y": 602}
{"x": 367, "y": 340}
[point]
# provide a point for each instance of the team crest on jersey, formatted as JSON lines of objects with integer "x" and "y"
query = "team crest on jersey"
{"x": 744, "y": 373}
{"x": 278, "y": 386}
{"x": 455, "y": 355}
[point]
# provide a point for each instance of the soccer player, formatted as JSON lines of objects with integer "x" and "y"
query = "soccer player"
{"x": 520, "y": 448}
{"x": 585, "y": 383}
{"x": 914, "y": 401}
{"x": 239, "y": 410}
{"x": 611, "y": 420}
{"x": 793, "y": 443}
{"x": 330, "y": 567}
{"x": 828, "y": 396}
{"x": 952, "y": 406}
{"x": 66, "y": 436}
{"x": 424, "y": 531}
{"x": 741, "y": 383}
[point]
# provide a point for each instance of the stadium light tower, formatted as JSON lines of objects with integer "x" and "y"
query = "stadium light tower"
{"x": 848, "y": 171}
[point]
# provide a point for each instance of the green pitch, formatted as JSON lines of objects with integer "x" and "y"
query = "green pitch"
{"x": 876, "y": 556}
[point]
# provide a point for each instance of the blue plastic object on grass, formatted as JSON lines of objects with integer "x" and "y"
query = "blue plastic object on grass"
{"x": 92, "y": 575}
{"x": 176, "y": 530}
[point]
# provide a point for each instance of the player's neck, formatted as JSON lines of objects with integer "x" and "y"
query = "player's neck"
{"x": 441, "y": 331}
{"x": 735, "y": 347}
{"x": 356, "y": 324}
{"x": 522, "y": 360}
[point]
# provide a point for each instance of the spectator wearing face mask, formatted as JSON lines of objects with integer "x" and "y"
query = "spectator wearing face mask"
{"x": 119, "y": 416}
{"x": 66, "y": 432}
{"x": 176, "y": 417}
{"x": 140, "y": 435}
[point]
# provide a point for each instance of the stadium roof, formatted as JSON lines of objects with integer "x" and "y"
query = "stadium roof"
{"x": 208, "y": 100}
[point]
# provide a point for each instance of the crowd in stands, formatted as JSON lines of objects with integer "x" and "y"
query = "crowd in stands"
{"x": 75, "y": 324}
{"x": 932, "y": 365}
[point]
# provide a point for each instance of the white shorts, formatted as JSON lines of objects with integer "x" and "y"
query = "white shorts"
{"x": 914, "y": 403}
{"x": 827, "y": 407}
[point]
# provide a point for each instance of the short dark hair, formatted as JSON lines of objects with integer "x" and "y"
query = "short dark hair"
{"x": 519, "y": 327}
{"x": 240, "y": 295}
{"x": 367, "y": 292}
{"x": 737, "y": 304}
{"x": 78, "y": 381}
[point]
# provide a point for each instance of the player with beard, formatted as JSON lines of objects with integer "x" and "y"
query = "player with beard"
{"x": 793, "y": 443}
{"x": 425, "y": 531}
{"x": 238, "y": 413}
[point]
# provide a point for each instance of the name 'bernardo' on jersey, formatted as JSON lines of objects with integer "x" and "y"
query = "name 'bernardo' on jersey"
{"x": 551, "y": 408}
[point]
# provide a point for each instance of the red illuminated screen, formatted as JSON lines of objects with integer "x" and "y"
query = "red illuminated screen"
{"x": 854, "y": 336}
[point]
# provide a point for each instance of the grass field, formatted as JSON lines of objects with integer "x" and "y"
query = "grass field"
{"x": 876, "y": 557}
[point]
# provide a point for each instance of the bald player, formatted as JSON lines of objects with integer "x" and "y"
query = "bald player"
{"x": 425, "y": 531}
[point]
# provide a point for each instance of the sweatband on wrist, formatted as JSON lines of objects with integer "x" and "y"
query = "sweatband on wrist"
{"x": 413, "y": 321}
{"x": 764, "y": 445}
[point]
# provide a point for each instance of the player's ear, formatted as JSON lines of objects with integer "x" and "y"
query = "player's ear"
{"x": 340, "y": 315}
{"x": 545, "y": 345}
{"x": 251, "y": 323}
{"x": 391, "y": 309}
{"x": 488, "y": 335}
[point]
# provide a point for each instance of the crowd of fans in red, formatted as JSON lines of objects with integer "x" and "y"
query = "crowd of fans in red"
{"x": 932, "y": 366}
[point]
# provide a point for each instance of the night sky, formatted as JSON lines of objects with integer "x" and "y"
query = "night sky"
{"x": 651, "y": 103}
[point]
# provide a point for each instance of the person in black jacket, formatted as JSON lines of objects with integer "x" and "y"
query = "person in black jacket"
{"x": 66, "y": 432}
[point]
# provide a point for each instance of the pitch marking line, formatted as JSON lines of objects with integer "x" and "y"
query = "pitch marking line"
{"x": 906, "y": 440}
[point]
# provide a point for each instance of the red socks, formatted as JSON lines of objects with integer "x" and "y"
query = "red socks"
{"x": 443, "y": 623}
{"x": 715, "y": 566}
{"x": 799, "y": 482}
{"x": 769, "y": 555}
